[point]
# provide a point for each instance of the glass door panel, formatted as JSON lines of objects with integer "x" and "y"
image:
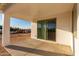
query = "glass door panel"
{"x": 51, "y": 30}
{"x": 41, "y": 29}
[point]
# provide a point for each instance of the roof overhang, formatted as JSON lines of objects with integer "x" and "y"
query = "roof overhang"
{"x": 37, "y": 11}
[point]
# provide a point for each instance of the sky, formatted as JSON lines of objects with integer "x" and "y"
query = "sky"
{"x": 0, "y": 19}
{"x": 16, "y": 22}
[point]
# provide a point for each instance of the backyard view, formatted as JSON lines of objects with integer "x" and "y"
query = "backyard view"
{"x": 19, "y": 31}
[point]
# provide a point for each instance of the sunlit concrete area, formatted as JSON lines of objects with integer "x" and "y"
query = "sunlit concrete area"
{"x": 54, "y": 29}
{"x": 33, "y": 47}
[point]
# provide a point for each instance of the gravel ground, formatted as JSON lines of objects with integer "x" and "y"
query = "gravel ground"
{"x": 19, "y": 37}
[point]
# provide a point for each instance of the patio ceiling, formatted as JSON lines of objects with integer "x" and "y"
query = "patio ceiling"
{"x": 38, "y": 11}
{"x": 4, "y": 6}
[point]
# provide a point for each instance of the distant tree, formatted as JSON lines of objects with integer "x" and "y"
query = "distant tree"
{"x": 13, "y": 29}
{"x": 0, "y": 27}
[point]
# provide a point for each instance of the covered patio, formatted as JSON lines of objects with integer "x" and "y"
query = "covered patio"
{"x": 65, "y": 38}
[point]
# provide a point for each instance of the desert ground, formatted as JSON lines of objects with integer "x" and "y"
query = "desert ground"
{"x": 19, "y": 37}
{"x": 13, "y": 38}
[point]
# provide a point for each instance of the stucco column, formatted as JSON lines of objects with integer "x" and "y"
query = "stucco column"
{"x": 5, "y": 30}
{"x": 77, "y": 39}
{"x": 34, "y": 30}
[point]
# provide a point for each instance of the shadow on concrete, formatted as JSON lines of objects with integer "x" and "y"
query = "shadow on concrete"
{"x": 35, "y": 51}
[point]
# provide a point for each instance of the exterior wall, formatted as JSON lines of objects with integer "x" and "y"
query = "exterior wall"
{"x": 63, "y": 30}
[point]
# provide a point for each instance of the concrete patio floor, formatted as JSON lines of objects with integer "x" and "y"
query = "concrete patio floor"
{"x": 34, "y": 47}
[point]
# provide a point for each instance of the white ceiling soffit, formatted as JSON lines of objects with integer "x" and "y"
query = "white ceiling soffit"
{"x": 31, "y": 11}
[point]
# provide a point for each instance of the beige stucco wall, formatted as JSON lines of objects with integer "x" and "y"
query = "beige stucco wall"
{"x": 63, "y": 30}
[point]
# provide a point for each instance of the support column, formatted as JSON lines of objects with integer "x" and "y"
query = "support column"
{"x": 5, "y": 30}
{"x": 76, "y": 44}
{"x": 34, "y": 30}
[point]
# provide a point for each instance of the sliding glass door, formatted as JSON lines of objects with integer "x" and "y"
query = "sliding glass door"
{"x": 46, "y": 29}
